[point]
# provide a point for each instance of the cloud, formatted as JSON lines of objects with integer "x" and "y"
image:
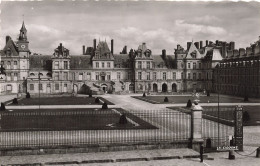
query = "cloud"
{"x": 206, "y": 20}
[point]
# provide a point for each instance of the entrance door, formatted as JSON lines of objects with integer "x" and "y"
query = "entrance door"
{"x": 102, "y": 78}
{"x": 155, "y": 87}
{"x": 164, "y": 87}
{"x": 65, "y": 88}
{"x": 174, "y": 87}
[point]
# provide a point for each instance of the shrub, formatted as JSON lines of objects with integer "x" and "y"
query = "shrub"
{"x": 246, "y": 116}
{"x": 90, "y": 93}
{"x": 144, "y": 95}
{"x": 189, "y": 104}
{"x": 123, "y": 119}
{"x": 246, "y": 98}
{"x": 15, "y": 101}
{"x": 2, "y": 108}
{"x": 28, "y": 95}
{"x": 166, "y": 99}
{"x": 104, "y": 106}
{"x": 208, "y": 94}
{"x": 97, "y": 100}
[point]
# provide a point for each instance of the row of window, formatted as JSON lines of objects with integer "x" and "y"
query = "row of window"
{"x": 103, "y": 65}
{"x": 148, "y": 76}
{"x": 40, "y": 87}
{"x": 240, "y": 63}
{"x": 65, "y": 65}
{"x": 139, "y": 65}
{"x": 9, "y": 63}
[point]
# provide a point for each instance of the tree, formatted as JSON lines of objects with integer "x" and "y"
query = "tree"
{"x": 2, "y": 70}
{"x": 97, "y": 100}
{"x": 15, "y": 101}
{"x": 123, "y": 119}
{"x": 189, "y": 104}
{"x": 104, "y": 106}
{"x": 166, "y": 99}
{"x": 144, "y": 95}
{"x": 2, "y": 108}
{"x": 90, "y": 93}
{"x": 28, "y": 95}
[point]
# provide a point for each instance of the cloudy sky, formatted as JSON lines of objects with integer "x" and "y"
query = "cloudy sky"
{"x": 162, "y": 25}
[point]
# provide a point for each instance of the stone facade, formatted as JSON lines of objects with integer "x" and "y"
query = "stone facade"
{"x": 101, "y": 70}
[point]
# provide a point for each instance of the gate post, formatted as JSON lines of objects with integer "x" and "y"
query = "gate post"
{"x": 196, "y": 127}
{"x": 238, "y": 128}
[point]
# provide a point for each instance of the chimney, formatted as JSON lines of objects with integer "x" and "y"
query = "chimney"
{"x": 236, "y": 53}
{"x": 232, "y": 45}
{"x": 125, "y": 49}
{"x": 163, "y": 53}
{"x": 248, "y": 51}
{"x": 188, "y": 45}
{"x": 217, "y": 42}
{"x": 229, "y": 53}
{"x": 207, "y": 43}
{"x": 112, "y": 46}
{"x": 95, "y": 44}
{"x": 201, "y": 44}
{"x": 178, "y": 47}
{"x": 7, "y": 38}
{"x": 224, "y": 50}
{"x": 84, "y": 52}
{"x": 197, "y": 45}
{"x": 60, "y": 45}
{"x": 241, "y": 52}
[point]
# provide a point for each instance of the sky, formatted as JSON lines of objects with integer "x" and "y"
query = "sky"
{"x": 161, "y": 25}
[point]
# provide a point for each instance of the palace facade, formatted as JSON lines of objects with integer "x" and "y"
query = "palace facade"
{"x": 101, "y": 70}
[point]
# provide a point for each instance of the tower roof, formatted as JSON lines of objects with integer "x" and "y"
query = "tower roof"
{"x": 23, "y": 27}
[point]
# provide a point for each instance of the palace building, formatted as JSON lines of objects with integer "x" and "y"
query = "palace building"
{"x": 101, "y": 70}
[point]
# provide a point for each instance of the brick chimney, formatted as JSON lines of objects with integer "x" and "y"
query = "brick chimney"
{"x": 249, "y": 51}
{"x": 7, "y": 38}
{"x": 197, "y": 45}
{"x": 224, "y": 50}
{"x": 242, "y": 51}
{"x": 94, "y": 44}
{"x": 207, "y": 43}
{"x": 83, "y": 47}
{"x": 188, "y": 45}
{"x": 232, "y": 45}
{"x": 163, "y": 53}
{"x": 201, "y": 44}
{"x": 112, "y": 46}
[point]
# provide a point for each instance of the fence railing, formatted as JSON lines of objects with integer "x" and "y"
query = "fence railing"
{"x": 79, "y": 127}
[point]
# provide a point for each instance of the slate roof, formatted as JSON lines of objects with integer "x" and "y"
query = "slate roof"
{"x": 10, "y": 45}
{"x": 80, "y": 62}
{"x": 168, "y": 61}
{"x": 40, "y": 62}
{"x": 122, "y": 60}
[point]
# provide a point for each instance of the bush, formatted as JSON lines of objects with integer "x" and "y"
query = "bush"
{"x": 104, "y": 106}
{"x": 246, "y": 98}
{"x": 15, "y": 101}
{"x": 90, "y": 93}
{"x": 28, "y": 95}
{"x": 189, "y": 104}
{"x": 2, "y": 108}
{"x": 208, "y": 94}
{"x": 97, "y": 100}
{"x": 246, "y": 116}
{"x": 123, "y": 119}
{"x": 144, "y": 95}
{"x": 166, "y": 99}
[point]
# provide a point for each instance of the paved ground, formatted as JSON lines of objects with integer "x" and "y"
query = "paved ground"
{"x": 251, "y": 142}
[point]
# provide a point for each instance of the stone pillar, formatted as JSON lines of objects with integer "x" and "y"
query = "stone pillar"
{"x": 238, "y": 131}
{"x": 196, "y": 127}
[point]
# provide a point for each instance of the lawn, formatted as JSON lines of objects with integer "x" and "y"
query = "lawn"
{"x": 226, "y": 114}
{"x": 62, "y": 101}
{"x": 69, "y": 119}
{"x": 184, "y": 99}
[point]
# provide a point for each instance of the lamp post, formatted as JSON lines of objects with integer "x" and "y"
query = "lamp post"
{"x": 218, "y": 103}
{"x": 39, "y": 89}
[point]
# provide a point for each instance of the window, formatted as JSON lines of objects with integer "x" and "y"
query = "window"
{"x": 9, "y": 87}
{"x": 108, "y": 77}
{"x": 56, "y": 86}
{"x": 56, "y": 76}
{"x": 65, "y": 85}
{"x": 181, "y": 75}
{"x": 129, "y": 75}
{"x": 66, "y": 76}
{"x": 154, "y": 76}
{"x": 2, "y": 62}
{"x": 15, "y": 76}
{"x": 188, "y": 65}
{"x": 31, "y": 87}
{"x": 40, "y": 86}
{"x": 97, "y": 76}
{"x": 48, "y": 85}
{"x": 74, "y": 76}
{"x": 199, "y": 65}
{"x": 88, "y": 76}
{"x": 148, "y": 76}
{"x": 174, "y": 75}
{"x": 97, "y": 65}
{"x": 164, "y": 75}
{"x": 15, "y": 63}
{"x": 182, "y": 65}
{"x": 194, "y": 65}
{"x": 80, "y": 76}
{"x": 118, "y": 75}
{"x": 103, "y": 65}
{"x": 139, "y": 75}
{"x": 148, "y": 65}
{"x": 56, "y": 65}
{"x": 65, "y": 64}
{"x": 8, "y": 65}
{"x": 139, "y": 65}
{"x": 199, "y": 76}
{"x": 194, "y": 76}
{"x": 108, "y": 64}
{"x": 8, "y": 77}
{"x": 188, "y": 76}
